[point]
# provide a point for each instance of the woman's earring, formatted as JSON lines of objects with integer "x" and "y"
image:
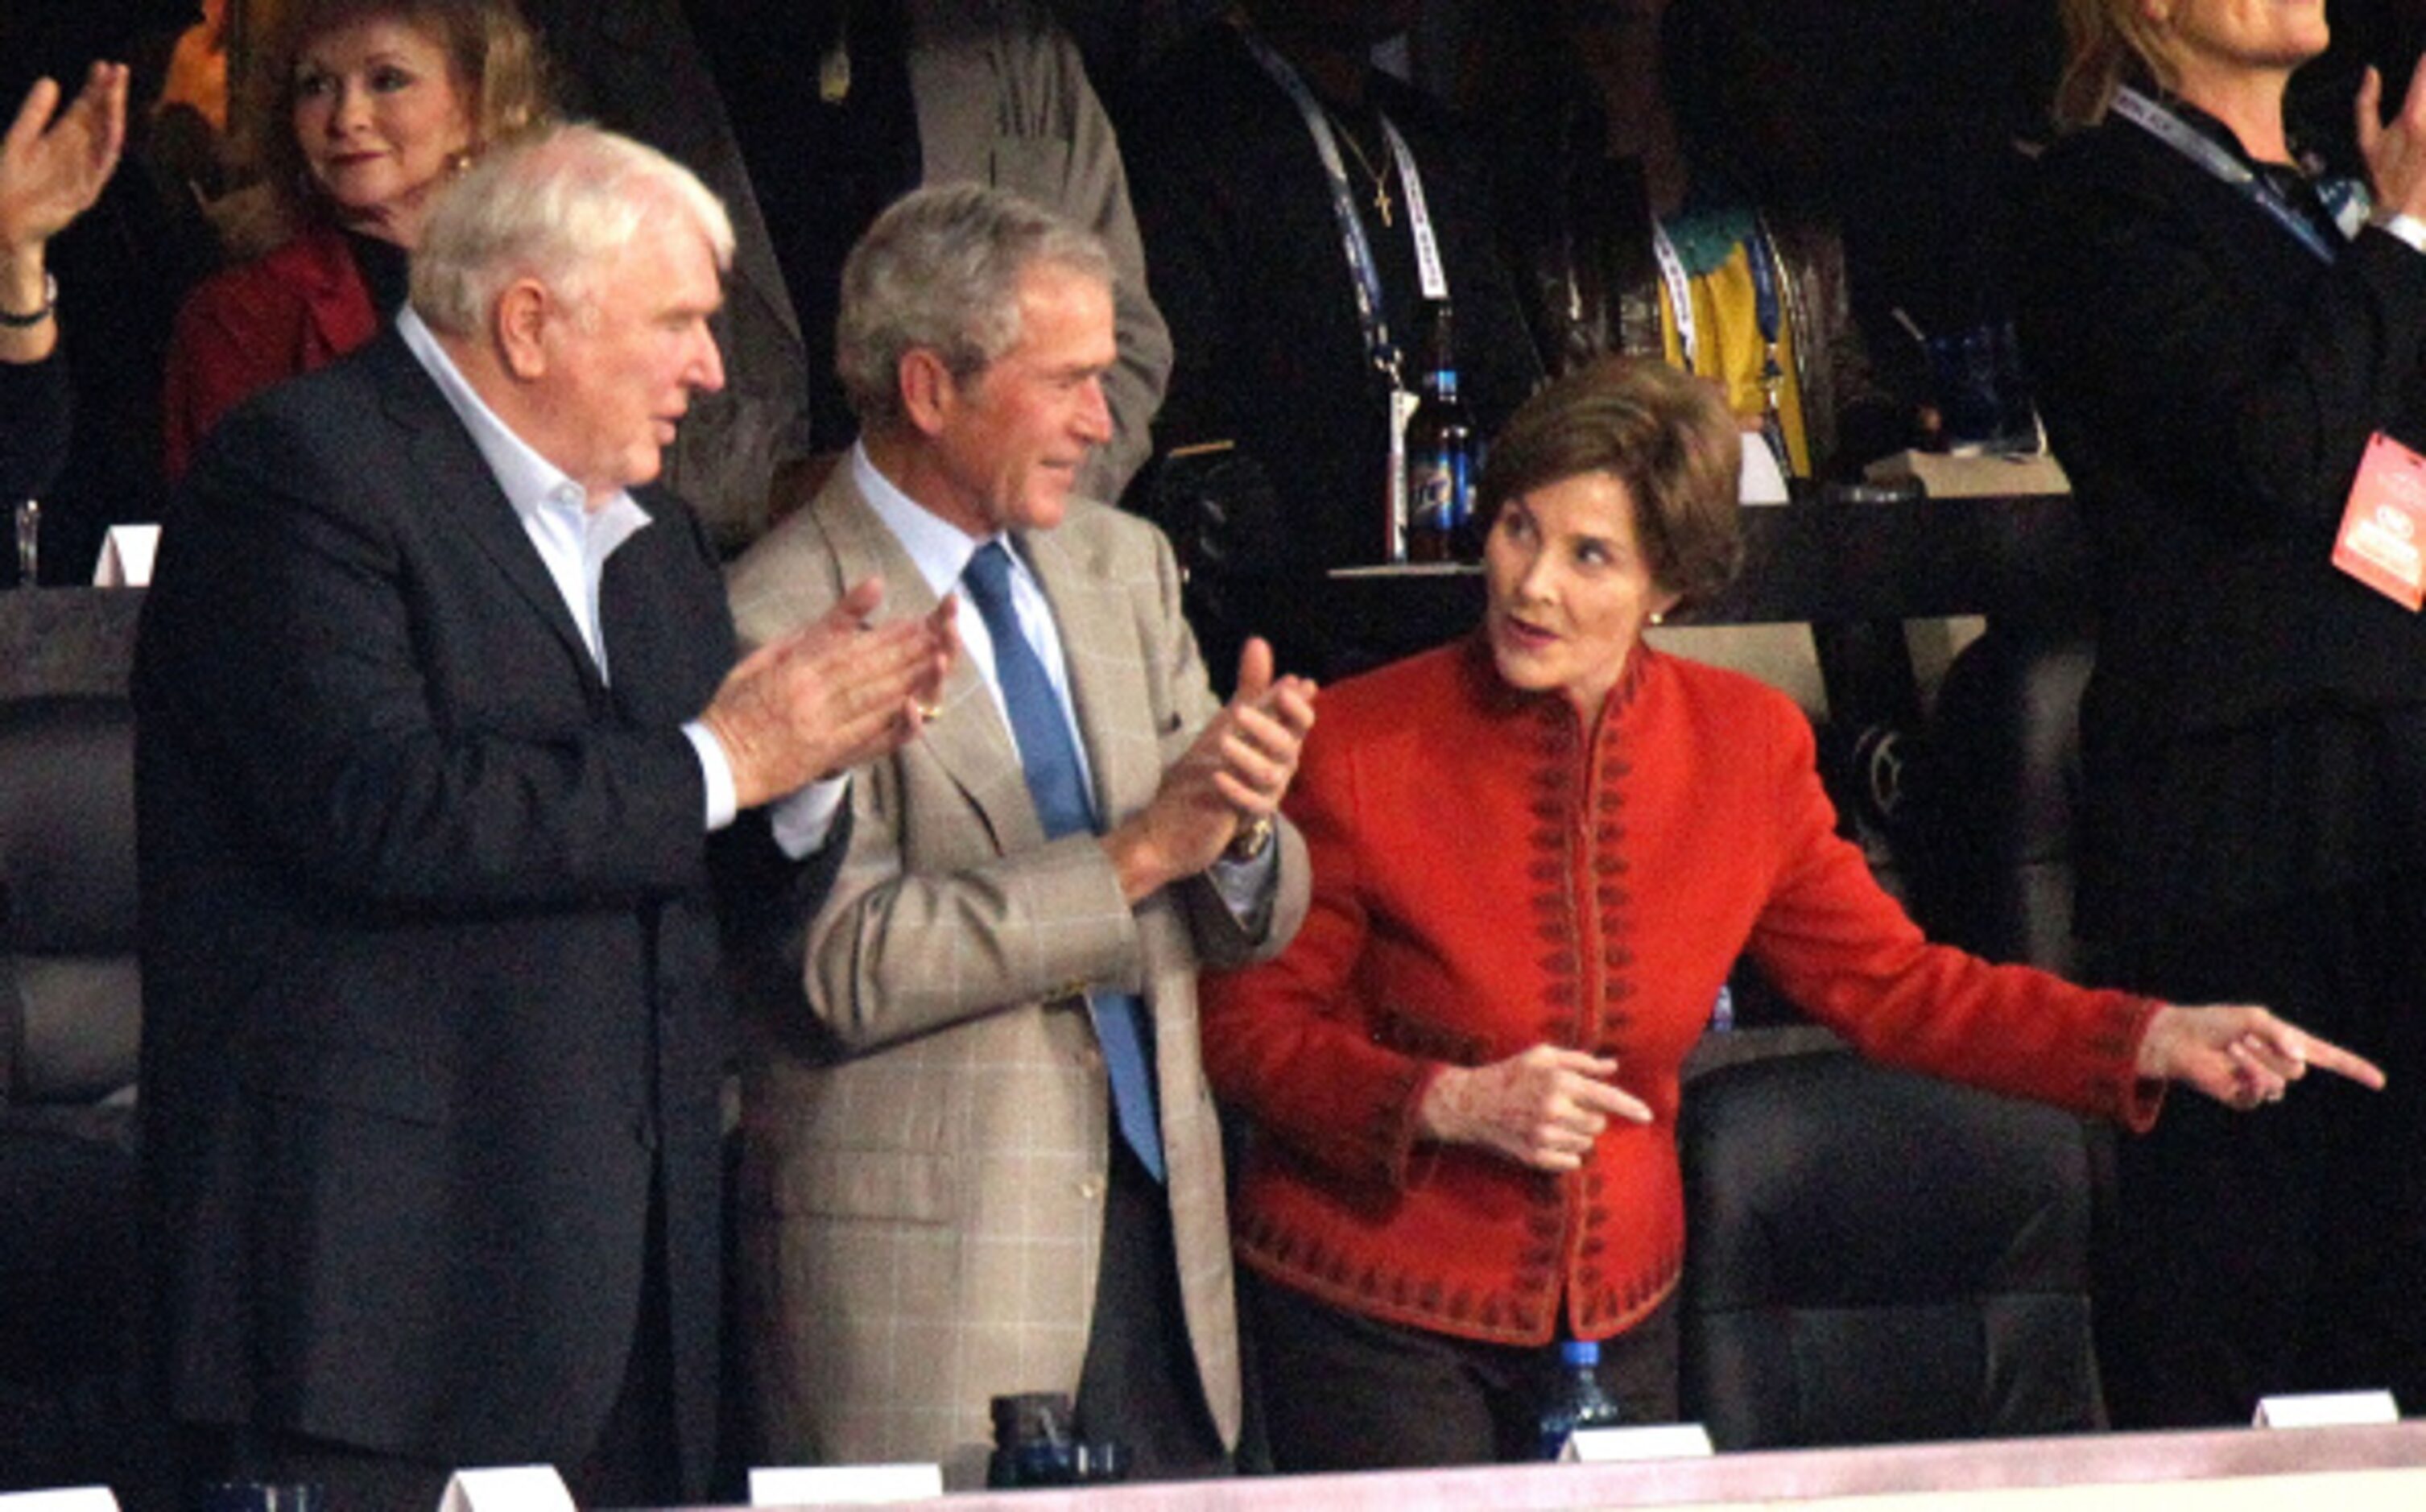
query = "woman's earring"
{"x": 458, "y": 162}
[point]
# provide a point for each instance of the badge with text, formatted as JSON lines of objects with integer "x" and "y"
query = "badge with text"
{"x": 2383, "y": 539}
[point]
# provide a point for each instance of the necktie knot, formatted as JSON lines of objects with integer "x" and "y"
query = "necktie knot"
{"x": 989, "y": 578}
{"x": 1039, "y": 726}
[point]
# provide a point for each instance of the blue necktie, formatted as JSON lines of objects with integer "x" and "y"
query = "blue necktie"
{"x": 1050, "y": 762}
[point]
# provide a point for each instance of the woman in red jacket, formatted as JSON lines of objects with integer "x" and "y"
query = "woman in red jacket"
{"x": 361, "y": 110}
{"x": 1536, "y": 854}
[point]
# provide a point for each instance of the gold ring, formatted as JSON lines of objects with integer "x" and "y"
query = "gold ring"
{"x": 928, "y": 713}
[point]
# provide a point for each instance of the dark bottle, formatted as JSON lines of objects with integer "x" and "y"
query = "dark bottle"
{"x": 1036, "y": 1444}
{"x": 1576, "y": 1401}
{"x": 1440, "y": 456}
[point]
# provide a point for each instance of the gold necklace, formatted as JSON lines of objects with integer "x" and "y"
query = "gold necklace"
{"x": 1380, "y": 176}
{"x": 833, "y": 66}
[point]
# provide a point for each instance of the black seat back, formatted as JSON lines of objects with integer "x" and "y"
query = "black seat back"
{"x": 1877, "y": 1257}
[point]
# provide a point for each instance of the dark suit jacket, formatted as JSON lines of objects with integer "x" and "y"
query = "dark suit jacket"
{"x": 430, "y": 963}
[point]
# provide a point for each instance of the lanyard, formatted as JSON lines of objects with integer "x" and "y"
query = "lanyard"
{"x": 2173, "y": 132}
{"x": 1429, "y": 271}
{"x": 1365, "y": 274}
{"x": 1760, "y": 257}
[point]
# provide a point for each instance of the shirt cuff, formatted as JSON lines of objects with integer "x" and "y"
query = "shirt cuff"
{"x": 723, "y": 798}
{"x": 2408, "y": 227}
{"x": 1245, "y": 886}
{"x": 802, "y": 821}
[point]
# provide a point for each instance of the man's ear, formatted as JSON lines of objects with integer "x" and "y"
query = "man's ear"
{"x": 522, "y": 315}
{"x": 928, "y": 391}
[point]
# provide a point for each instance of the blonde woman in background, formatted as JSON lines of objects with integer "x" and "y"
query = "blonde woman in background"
{"x": 358, "y": 113}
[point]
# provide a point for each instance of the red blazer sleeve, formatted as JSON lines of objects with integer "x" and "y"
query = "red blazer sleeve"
{"x": 1837, "y": 944}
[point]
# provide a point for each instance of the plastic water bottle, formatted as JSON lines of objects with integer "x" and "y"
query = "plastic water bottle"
{"x": 1576, "y": 1401}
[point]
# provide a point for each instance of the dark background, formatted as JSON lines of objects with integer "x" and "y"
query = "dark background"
{"x": 1912, "y": 109}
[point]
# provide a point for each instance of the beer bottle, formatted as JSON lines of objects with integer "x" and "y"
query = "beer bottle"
{"x": 1440, "y": 454}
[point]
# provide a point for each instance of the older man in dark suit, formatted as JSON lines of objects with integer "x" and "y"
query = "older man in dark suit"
{"x": 438, "y": 708}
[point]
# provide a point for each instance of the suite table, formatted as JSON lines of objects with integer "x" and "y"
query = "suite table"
{"x": 2349, "y": 1468}
{"x": 67, "y": 641}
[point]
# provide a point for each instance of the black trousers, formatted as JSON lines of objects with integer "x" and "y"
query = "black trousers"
{"x": 1138, "y": 1385}
{"x": 636, "y": 1462}
{"x": 1344, "y": 1391}
{"x": 2284, "y": 1250}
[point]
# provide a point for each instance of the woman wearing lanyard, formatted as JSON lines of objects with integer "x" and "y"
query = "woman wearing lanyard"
{"x": 2215, "y": 351}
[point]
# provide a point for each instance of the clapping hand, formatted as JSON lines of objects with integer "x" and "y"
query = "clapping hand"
{"x": 832, "y": 695}
{"x": 1234, "y": 773}
{"x": 52, "y": 171}
{"x": 2395, "y": 152}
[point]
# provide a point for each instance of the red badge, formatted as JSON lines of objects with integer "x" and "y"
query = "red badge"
{"x": 2383, "y": 539}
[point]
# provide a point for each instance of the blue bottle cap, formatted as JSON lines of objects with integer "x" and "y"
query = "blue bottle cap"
{"x": 1579, "y": 1352}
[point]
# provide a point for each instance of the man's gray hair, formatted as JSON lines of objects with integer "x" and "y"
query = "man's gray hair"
{"x": 559, "y": 207}
{"x": 941, "y": 270}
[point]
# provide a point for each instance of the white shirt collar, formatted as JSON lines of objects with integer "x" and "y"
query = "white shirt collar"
{"x": 940, "y": 548}
{"x": 528, "y": 480}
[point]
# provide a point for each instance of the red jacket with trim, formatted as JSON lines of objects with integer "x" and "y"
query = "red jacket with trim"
{"x": 1490, "y": 876}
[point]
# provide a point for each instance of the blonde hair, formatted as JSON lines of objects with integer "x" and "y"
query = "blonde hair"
{"x": 2106, "y": 41}
{"x": 492, "y": 59}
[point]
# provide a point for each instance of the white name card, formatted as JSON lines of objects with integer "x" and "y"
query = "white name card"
{"x": 1763, "y": 481}
{"x": 2326, "y": 1409}
{"x": 66, "y": 1498}
{"x": 127, "y": 555}
{"x": 866, "y": 1485}
{"x": 508, "y": 1489}
{"x": 1652, "y": 1440}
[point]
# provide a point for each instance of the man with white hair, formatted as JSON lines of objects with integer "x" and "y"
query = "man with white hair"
{"x": 438, "y": 708}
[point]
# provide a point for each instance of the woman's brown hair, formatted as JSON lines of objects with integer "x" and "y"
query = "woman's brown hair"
{"x": 1668, "y": 436}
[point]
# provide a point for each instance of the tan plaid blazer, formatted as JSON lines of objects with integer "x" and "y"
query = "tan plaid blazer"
{"x": 926, "y": 1137}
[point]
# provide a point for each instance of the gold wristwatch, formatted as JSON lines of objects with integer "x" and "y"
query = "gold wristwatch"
{"x": 1248, "y": 843}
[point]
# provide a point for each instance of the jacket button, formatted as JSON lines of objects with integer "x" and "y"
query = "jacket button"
{"x": 1091, "y": 1187}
